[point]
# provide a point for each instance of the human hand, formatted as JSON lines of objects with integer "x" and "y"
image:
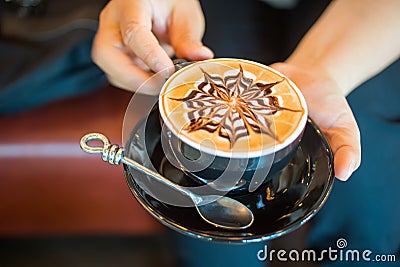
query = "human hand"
{"x": 138, "y": 37}
{"x": 328, "y": 107}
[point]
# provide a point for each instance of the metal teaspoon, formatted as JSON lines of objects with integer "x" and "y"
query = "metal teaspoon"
{"x": 219, "y": 211}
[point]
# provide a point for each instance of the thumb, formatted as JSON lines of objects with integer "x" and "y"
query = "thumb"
{"x": 192, "y": 50}
{"x": 186, "y": 31}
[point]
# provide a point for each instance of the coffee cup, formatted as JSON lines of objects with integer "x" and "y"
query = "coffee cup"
{"x": 231, "y": 123}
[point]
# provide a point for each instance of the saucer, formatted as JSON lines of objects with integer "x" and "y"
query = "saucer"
{"x": 281, "y": 205}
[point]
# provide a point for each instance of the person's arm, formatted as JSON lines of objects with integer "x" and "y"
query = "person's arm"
{"x": 352, "y": 41}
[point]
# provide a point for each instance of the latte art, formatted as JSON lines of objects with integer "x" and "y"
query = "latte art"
{"x": 240, "y": 106}
{"x": 232, "y": 106}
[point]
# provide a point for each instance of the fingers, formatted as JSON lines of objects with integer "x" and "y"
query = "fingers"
{"x": 186, "y": 31}
{"x": 344, "y": 137}
{"x": 109, "y": 53}
{"x": 126, "y": 48}
{"x": 136, "y": 32}
{"x": 122, "y": 67}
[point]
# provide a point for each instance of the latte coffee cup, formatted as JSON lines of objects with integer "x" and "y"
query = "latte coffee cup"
{"x": 231, "y": 123}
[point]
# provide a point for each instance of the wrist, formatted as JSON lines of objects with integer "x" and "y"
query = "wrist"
{"x": 321, "y": 68}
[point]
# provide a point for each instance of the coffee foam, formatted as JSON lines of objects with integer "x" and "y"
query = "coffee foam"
{"x": 243, "y": 107}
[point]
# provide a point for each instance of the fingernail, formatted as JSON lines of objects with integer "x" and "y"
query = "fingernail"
{"x": 350, "y": 170}
{"x": 160, "y": 67}
{"x": 206, "y": 52}
{"x": 163, "y": 70}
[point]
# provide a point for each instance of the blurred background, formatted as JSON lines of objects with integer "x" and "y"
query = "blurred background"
{"x": 58, "y": 205}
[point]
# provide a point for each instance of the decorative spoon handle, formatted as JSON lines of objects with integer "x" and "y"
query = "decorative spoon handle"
{"x": 114, "y": 154}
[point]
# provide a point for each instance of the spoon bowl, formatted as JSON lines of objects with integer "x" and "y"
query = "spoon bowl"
{"x": 226, "y": 213}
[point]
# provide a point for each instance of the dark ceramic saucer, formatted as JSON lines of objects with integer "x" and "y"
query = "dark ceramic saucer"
{"x": 280, "y": 205}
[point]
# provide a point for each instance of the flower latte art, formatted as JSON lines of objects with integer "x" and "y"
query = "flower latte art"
{"x": 240, "y": 106}
{"x": 232, "y": 106}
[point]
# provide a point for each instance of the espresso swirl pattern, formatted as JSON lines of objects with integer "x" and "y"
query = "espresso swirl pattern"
{"x": 232, "y": 106}
{"x": 239, "y": 105}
